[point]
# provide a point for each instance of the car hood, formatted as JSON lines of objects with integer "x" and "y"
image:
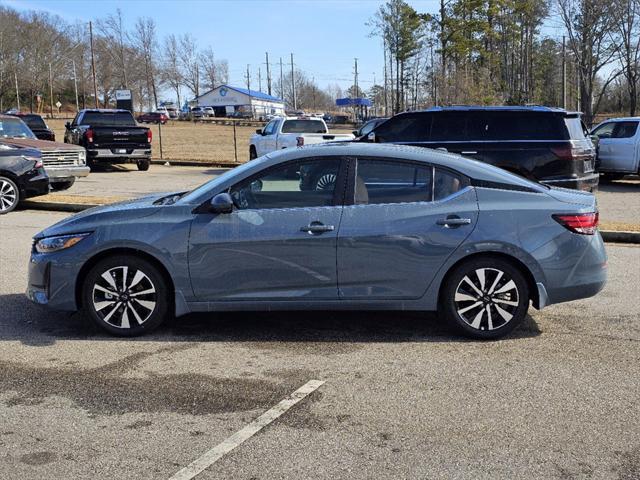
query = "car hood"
{"x": 42, "y": 145}
{"x": 93, "y": 218}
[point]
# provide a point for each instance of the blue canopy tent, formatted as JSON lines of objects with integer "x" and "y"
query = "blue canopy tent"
{"x": 350, "y": 102}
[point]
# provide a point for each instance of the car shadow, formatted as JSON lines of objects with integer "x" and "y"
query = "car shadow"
{"x": 21, "y": 320}
{"x": 111, "y": 168}
{"x": 629, "y": 184}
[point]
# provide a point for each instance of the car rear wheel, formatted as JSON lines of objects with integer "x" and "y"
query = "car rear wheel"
{"x": 59, "y": 186}
{"x": 143, "y": 165}
{"x": 125, "y": 295}
{"x": 485, "y": 298}
{"x": 9, "y": 195}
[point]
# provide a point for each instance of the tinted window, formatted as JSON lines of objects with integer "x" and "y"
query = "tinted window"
{"x": 14, "y": 127}
{"x": 96, "y": 119}
{"x": 303, "y": 126}
{"x": 575, "y": 127}
{"x": 483, "y": 126}
{"x": 448, "y": 127}
{"x": 307, "y": 183}
{"x": 380, "y": 181}
{"x": 445, "y": 183}
{"x": 624, "y": 129}
{"x": 405, "y": 128}
{"x": 34, "y": 121}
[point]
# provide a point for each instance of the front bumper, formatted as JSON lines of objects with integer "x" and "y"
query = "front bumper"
{"x": 34, "y": 185}
{"x": 67, "y": 173}
{"x": 587, "y": 183}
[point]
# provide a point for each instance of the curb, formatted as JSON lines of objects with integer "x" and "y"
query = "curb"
{"x": 187, "y": 163}
{"x": 609, "y": 236}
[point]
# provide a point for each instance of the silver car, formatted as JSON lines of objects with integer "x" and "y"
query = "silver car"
{"x": 335, "y": 227}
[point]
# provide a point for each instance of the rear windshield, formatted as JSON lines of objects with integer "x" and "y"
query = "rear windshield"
{"x": 119, "y": 119}
{"x": 34, "y": 121}
{"x": 303, "y": 126}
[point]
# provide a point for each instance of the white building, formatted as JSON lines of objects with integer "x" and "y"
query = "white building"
{"x": 226, "y": 100}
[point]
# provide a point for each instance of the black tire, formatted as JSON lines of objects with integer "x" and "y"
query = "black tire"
{"x": 610, "y": 177}
{"x": 126, "y": 312}
{"x": 143, "y": 165}
{"x": 60, "y": 186}
{"x": 252, "y": 153}
{"x": 489, "y": 310}
{"x": 9, "y": 195}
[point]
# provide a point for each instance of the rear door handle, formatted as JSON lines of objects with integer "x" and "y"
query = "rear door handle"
{"x": 469, "y": 152}
{"x": 453, "y": 221}
{"x": 316, "y": 228}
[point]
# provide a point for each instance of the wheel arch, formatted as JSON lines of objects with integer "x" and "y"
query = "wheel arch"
{"x": 516, "y": 262}
{"x": 89, "y": 264}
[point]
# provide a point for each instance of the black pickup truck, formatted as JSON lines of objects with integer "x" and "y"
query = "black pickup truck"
{"x": 110, "y": 136}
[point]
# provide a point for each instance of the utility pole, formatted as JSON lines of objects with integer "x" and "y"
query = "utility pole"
{"x": 248, "y": 79}
{"x": 75, "y": 85}
{"x": 384, "y": 90}
{"x": 281, "y": 82}
{"x": 93, "y": 66}
{"x": 15, "y": 74}
{"x": 268, "y": 73}
{"x": 259, "y": 79}
{"x": 313, "y": 83}
{"x": 50, "y": 92}
{"x": 564, "y": 74}
{"x": 355, "y": 78}
{"x": 293, "y": 86}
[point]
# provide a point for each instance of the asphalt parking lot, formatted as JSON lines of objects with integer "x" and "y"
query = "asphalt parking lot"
{"x": 402, "y": 398}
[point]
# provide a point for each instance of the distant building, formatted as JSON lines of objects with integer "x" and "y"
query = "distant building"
{"x": 227, "y": 100}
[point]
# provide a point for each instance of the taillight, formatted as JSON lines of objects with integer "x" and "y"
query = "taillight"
{"x": 583, "y": 223}
{"x": 88, "y": 134}
{"x": 563, "y": 153}
{"x": 299, "y": 141}
{"x": 149, "y": 136}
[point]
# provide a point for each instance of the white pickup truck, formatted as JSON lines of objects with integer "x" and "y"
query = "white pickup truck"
{"x": 287, "y": 132}
{"x": 618, "y": 141}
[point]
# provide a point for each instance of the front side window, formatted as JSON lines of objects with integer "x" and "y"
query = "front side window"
{"x": 14, "y": 128}
{"x": 379, "y": 181}
{"x": 269, "y": 129}
{"x": 404, "y": 128}
{"x": 300, "y": 184}
{"x": 624, "y": 129}
{"x": 604, "y": 131}
{"x": 448, "y": 127}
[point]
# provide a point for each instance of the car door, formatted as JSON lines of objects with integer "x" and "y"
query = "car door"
{"x": 605, "y": 146}
{"x": 400, "y": 223}
{"x": 267, "y": 142}
{"x": 279, "y": 243}
{"x": 620, "y": 148}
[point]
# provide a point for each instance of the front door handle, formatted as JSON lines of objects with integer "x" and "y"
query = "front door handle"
{"x": 453, "y": 221}
{"x": 316, "y": 228}
{"x": 469, "y": 152}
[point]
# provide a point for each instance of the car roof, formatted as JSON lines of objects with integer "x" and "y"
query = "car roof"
{"x": 497, "y": 108}
{"x": 106, "y": 110}
{"x": 622, "y": 119}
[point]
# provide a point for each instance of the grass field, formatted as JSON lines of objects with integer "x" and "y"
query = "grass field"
{"x": 191, "y": 141}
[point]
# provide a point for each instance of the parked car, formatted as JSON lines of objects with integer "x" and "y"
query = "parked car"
{"x": 37, "y": 125}
{"x": 153, "y": 117}
{"x": 287, "y": 132}
{"x": 241, "y": 114}
{"x": 618, "y": 142}
{"x": 110, "y": 136}
{"x": 549, "y": 145}
{"x": 63, "y": 163}
{"x": 400, "y": 230}
{"x": 368, "y": 126}
{"x": 209, "y": 112}
{"x": 22, "y": 175}
{"x": 197, "y": 112}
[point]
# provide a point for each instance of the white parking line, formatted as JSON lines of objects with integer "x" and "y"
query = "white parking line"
{"x": 217, "y": 452}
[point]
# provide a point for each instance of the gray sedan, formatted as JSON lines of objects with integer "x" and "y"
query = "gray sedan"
{"x": 335, "y": 227}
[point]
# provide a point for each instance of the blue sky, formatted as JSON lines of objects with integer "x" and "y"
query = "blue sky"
{"x": 323, "y": 35}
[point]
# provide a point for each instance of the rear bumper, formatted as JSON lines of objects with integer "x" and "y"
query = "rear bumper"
{"x": 588, "y": 182}
{"x": 111, "y": 154}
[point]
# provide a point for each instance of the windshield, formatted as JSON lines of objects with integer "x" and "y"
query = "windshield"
{"x": 120, "y": 119}
{"x": 14, "y": 128}
{"x": 303, "y": 126}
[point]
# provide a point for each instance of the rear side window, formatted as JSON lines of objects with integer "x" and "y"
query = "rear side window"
{"x": 624, "y": 129}
{"x": 392, "y": 182}
{"x": 405, "y": 128}
{"x": 446, "y": 183}
{"x": 575, "y": 128}
{"x": 486, "y": 126}
{"x": 449, "y": 127}
{"x": 303, "y": 126}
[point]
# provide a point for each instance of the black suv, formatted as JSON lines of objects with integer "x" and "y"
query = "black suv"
{"x": 548, "y": 145}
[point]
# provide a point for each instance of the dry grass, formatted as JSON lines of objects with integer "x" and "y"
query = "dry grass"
{"x": 191, "y": 141}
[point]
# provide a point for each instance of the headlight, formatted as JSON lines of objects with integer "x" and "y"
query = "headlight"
{"x": 83, "y": 157}
{"x": 60, "y": 242}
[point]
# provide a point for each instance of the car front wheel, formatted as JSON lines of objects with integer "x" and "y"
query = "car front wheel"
{"x": 125, "y": 295}
{"x": 9, "y": 195}
{"x": 485, "y": 298}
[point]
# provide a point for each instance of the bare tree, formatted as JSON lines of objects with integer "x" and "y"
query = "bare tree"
{"x": 628, "y": 48}
{"x": 214, "y": 72}
{"x": 113, "y": 32}
{"x": 170, "y": 72}
{"x": 589, "y": 24}
{"x": 189, "y": 65}
{"x": 145, "y": 41}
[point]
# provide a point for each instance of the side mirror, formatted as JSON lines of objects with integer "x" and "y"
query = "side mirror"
{"x": 259, "y": 131}
{"x": 221, "y": 203}
{"x": 594, "y": 139}
{"x": 355, "y": 133}
{"x": 67, "y": 125}
{"x": 371, "y": 137}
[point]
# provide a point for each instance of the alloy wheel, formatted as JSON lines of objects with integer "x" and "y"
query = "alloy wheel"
{"x": 124, "y": 297}
{"x": 486, "y": 299}
{"x": 8, "y": 196}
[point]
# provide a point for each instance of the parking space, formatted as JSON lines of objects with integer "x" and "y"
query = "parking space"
{"x": 402, "y": 397}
